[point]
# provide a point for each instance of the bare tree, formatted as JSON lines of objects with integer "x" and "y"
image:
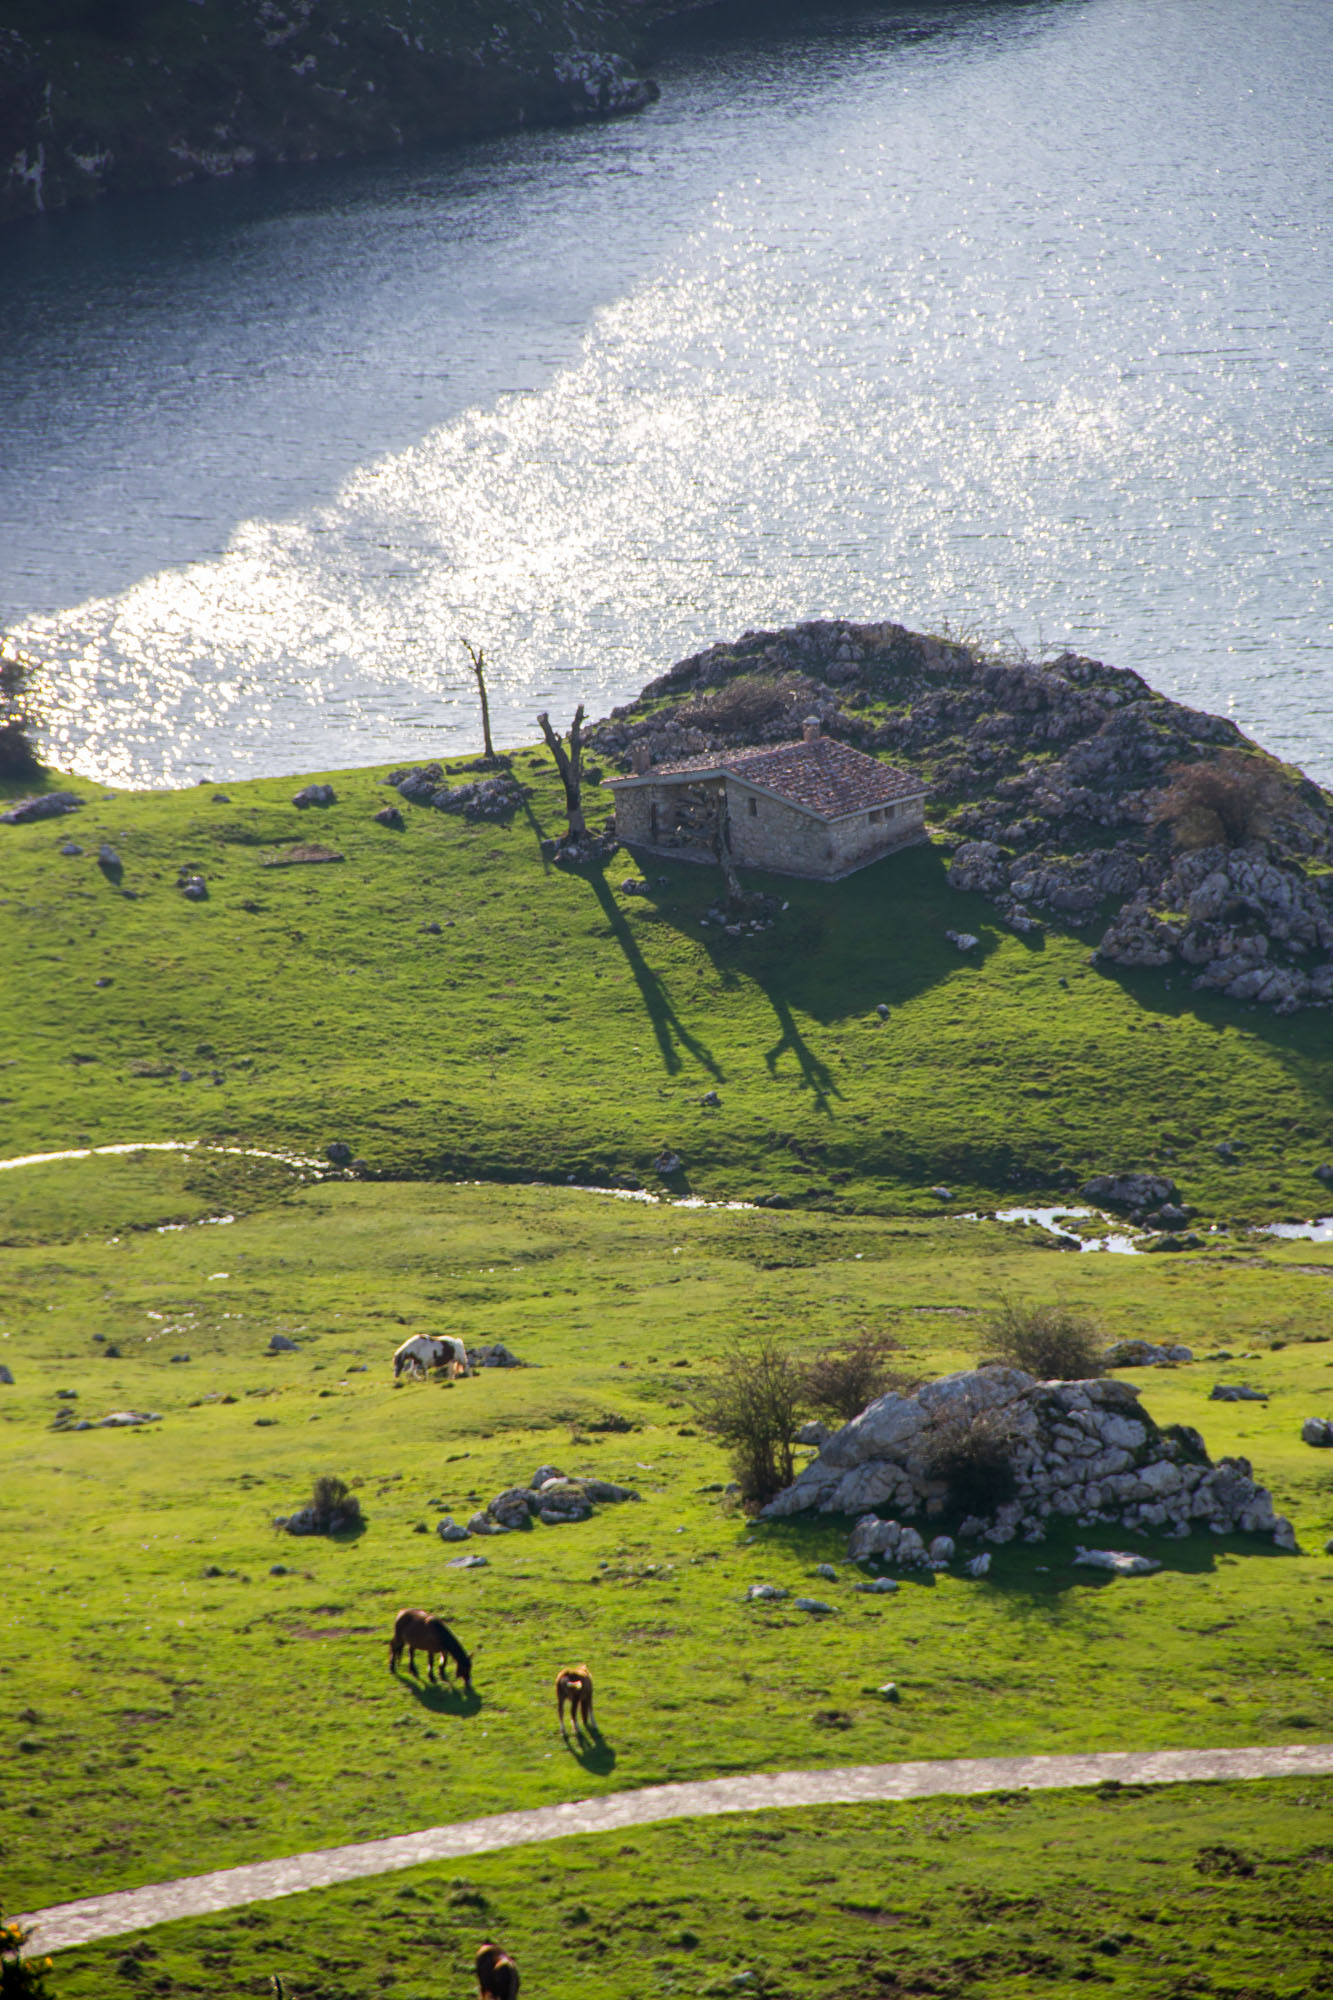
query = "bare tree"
{"x": 478, "y": 658}
{"x": 570, "y": 766}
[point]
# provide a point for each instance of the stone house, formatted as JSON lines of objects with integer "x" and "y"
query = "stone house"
{"x": 816, "y": 808}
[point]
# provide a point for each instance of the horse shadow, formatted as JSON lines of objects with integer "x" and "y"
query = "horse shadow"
{"x": 441, "y": 1697}
{"x": 592, "y": 1751}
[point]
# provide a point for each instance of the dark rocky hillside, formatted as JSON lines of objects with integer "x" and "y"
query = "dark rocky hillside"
{"x": 1070, "y": 790}
{"x": 100, "y": 96}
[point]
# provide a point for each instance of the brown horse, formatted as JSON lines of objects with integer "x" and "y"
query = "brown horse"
{"x": 574, "y": 1685}
{"x": 497, "y": 1974}
{"x": 413, "y": 1629}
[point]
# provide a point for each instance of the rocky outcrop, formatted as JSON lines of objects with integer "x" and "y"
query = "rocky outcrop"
{"x": 1085, "y": 1451}
{"x": 118, "y": 96}
{"x": 1047, "y": 777}
{"x": 497, "y": 798}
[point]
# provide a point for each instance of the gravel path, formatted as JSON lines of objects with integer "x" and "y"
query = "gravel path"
{"x": 93, "y": 1917}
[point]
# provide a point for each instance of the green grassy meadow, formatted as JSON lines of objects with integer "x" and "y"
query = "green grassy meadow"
{"x": 170, "y": 1705}
{"x": 556, "y": 1027}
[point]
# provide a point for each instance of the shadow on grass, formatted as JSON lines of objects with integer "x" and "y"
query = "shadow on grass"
{"x": 593, "y": 1752}
{"x": 1029, "y": 1580}
{"x": 440, "y": 1697}
{"x": 670, "y": 1030}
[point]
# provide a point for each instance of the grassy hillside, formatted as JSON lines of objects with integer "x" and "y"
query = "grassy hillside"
{"x": 554, "y": 1026}
{"x": 171, "y": 1705}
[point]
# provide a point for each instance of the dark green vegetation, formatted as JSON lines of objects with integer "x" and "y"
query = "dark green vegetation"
{"x": 172, "y": 1706}
{"x": 115, "y": 95}
{"x": 1208, "y": 1889}
{"x": 555, "y": 1027}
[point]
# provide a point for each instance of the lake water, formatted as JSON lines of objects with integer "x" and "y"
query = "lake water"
{"x": 1013, "y": 317}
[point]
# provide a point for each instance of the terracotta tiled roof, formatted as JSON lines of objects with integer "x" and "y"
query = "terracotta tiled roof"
{"x": 824, "y": 777}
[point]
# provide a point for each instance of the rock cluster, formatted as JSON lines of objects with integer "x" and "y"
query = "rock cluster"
{"x": 552, "y": 1497}
{"x": 1318, "y": 1431}
{"x": 1087, "y": 1451}
{"x": 497, "y": 798}
{"x": 1048, "y": 773}
{"x": 46, "y": 805}
{"x": 1143, "y": 1354}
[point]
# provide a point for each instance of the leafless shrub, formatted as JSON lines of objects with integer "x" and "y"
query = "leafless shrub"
{"x": 747, "y": 703}
{"x": 1226, "y": 801}
{"x": 971, "y": 1451}
{"x": 334, "y": 1506}
{"x": 753, "y": 1405}
{"x": 840, "y": 1382}
{"x": 1052, "y": 1342}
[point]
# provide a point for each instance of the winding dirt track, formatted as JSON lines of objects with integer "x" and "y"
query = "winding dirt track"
{"x": 67, "y": 1924}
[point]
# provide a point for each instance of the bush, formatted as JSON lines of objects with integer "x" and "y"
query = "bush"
{"x": 334, "y": 1507}
{"x": 1227, "y": 801}
{"x": 841, "y": 1381}
{"x": 1051, "y": 1342}
{"x": 742, "y": 704}
{"x": 18, "y": 759}
{"x": 753, "y": 1405}
{"x": 972, "y": 1453}
{"x": 20, "y": 1978}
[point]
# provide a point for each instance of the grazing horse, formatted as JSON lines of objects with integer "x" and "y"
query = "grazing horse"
{"x": 497, "y": 1974}
{"x": 574, "y": 1685}
{"x": 424, "y": 1351}
{"x": 413, "y": 1629}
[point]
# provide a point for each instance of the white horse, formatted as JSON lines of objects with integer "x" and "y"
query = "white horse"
{"x": 424, "y": 1351}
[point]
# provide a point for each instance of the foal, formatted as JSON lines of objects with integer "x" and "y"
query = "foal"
{"x": 497, "y": 1974}
{"x": 413, "y": 1629}
{"x": 574, "y": 1685}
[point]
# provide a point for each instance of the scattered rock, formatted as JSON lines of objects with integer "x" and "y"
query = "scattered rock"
{"x": 964, "y": 940}
{"x": 941, "y": 1193}
{"x": 194, "y": 889}
{"x": 280, "y": 1569}
{"x": 221, "y": 798}
{"x": 390, "y": 816}
{"x": 493, "y": 1354}
{"x": 468, "y": 1562}
{"x": 495, "y": 799}
{"x": 1237, "y": 1392}
{"x": 180, "y": 1357}
{"x": 877, "y": 1586}
{"x": 1324, "y": 1173}
{"x": 979, "y": 1565}
{"x": 890, "y": 1691}
{"x": 315, "y": 795}
{"x": 128, "y": 1419}
{"x": 67, "y": 1395}
{"x": 882, "y": 1010}
{"x": 827, "y": 1571}
{"x": 941, "y": 1551}
{"x": 47, "y": 805}
{"x": 449, "y": 1530}
{"x": 109, "y": 861}
{"x": 815, "y": 1604}
{"x": 1143, "y": 1354}
{"x": 305, "y": 854}
{"x": 70, "y": 848}
{"x": 1317, "y": 1431}
{"x": 1136, "y": 1192}
{"x": 281, "y": 1343}
{"x": 712, "y": 1100}
{"x": 338, "y": 1153}
{"x": 6, "y": 1375}
{"x": 1118, "y": 1561}
{"x": 667, "y": 1162}
{"x": 765, "y": 1593}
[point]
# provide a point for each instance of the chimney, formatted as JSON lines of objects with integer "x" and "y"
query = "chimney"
{"x": 642, "y": 758}
{"x": 812, "y": 729}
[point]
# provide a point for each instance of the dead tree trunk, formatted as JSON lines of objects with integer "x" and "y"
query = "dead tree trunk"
{"x": 570, "y": 767}
{"x": 722, "y": 847}
{"x": 478, "y": 658}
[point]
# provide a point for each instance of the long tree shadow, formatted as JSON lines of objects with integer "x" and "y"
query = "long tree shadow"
{"x": 667, "y": 1025}
{"x": 816, "y": 1076}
